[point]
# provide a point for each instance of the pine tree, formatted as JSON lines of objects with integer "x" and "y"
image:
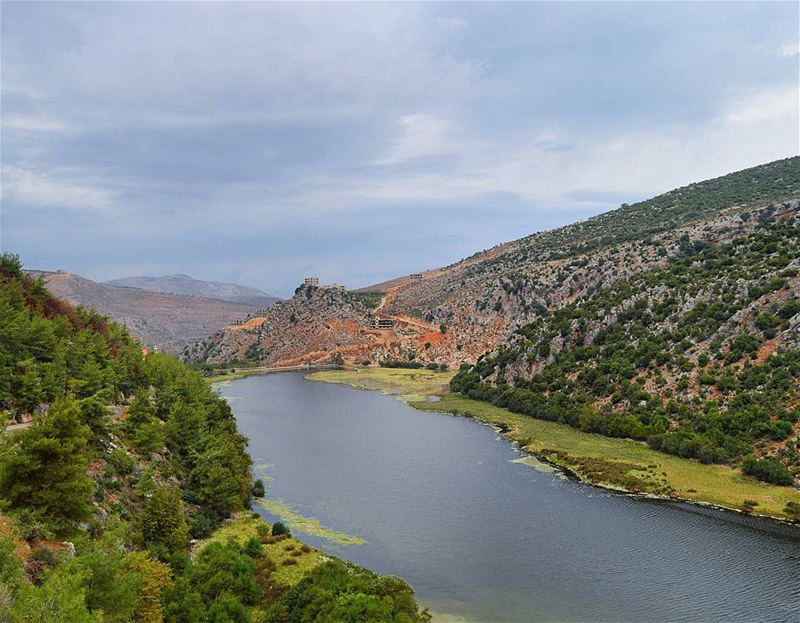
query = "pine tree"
{"x": 45, "y": 466}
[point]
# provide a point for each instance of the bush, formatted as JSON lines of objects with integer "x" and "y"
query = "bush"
{"x": 768, "y": 469}
{"x": 258, "y": 489}
{"x": 280, "y": 528}
{"x": 253, "y": 547}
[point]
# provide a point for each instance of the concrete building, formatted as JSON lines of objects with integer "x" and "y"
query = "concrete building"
{"x": 416, "y": 275}
{"x": 382, "y": 323}
{"x": 311, "y": 281}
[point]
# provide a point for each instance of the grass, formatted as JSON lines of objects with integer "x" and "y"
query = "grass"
{"x": 245, "y": 525}
{"x": 232, "y": 376}
{"x": 408, "y": 385}
{"x": 618, "y": 463}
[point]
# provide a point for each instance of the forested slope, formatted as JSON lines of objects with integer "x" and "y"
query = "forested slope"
{"x": 125, "y": 458}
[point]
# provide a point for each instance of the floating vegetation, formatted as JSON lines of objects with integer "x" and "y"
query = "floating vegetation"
{"x": 307, "y": 525}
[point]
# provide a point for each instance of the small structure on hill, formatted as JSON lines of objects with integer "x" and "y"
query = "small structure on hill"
{"x": 382, "y": 323}
{"x": 311, "y": 281}
{"x": 416, "y": 275}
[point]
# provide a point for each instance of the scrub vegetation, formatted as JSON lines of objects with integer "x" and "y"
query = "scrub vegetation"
{"x": 699, "y": 358}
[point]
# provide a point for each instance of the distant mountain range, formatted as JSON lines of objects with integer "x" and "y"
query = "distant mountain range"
{"x": 188, "y": 286}
{"x": 163, "y": 319}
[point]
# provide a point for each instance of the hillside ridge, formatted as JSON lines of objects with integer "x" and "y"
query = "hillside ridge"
{"x": 473, "y": 305}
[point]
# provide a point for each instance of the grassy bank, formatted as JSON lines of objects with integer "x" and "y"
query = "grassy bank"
{"x": 240, "y": 373}
{"x": 603, "y": 461}
{"x": 409, "y": 385}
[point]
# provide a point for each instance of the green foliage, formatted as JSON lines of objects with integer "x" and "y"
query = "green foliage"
{"x": 279, "y": 528}
{"x": 64, "y": 367}
{"x": 258, "y": 489}
{"x": 44, "y": 469}
{"x": 48, "y": 349}
{"x": 369, "y": 298}
{"x": 60, "y": 598}
{"x": 164, "y": 527}
{"x": 110, "y": 586}
{"x": 768, "y": 469}
{"x": 338, "y": 592}
{"x": 221, "y": 481}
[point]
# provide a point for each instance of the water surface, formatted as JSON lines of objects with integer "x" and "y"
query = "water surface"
{"x": 441, "y": 502}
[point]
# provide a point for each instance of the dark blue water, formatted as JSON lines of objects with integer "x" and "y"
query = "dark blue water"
{"x": 440, "y": 504}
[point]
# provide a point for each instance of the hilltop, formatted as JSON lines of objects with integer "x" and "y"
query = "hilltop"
{"x": 188, "y": 286}
{"x": 158, "y": 319}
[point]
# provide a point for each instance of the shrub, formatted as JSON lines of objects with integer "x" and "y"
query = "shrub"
{"x": 768, "y": 469}
{"x": 279, "y": 528}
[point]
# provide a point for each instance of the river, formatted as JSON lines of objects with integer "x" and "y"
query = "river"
{"x": 445, "y": 503}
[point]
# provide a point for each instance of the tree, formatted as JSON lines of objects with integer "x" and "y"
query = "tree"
{"x": 45, "y": 468}
{"x": 155, "y": 580}
{"x": 163, "y": 524}
{"x": 111, "y": 587}
{"x": 221, "y": 479}
{"x": 60, "y": 598}
{"x": 223, "y": 568}
{"x": 141, "y": 410}
{"x": 95, "y": 415}
{"x": 258, "y": 489}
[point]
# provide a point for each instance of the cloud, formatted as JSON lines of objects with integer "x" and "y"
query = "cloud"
{"x": 790, "y": 49}
{"x": 33, "y": 123}
{"x": 211, "y": 132}
{"x": 421, "y": 135}
{"x": 39, "y": 189}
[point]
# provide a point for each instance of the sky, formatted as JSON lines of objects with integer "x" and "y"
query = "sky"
{"x": 260, "y": 143}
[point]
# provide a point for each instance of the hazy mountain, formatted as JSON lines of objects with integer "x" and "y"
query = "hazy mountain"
{"x": 188, "y": 286}
{"x": 168, "y": 321}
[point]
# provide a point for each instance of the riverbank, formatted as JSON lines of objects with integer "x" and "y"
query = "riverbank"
{"x": 619, "y": 464}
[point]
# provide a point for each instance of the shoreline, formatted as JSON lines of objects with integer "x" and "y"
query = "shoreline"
{"x": 391, "y": 383}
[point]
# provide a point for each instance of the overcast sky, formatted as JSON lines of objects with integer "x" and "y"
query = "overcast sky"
{"x": 260, "y": 143}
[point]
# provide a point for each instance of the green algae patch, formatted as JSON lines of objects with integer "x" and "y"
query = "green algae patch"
{"x": 307, "y": 525}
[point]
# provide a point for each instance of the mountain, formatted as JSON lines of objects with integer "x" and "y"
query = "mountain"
{"x": 186, "y": 285}
{"x": 166, "y": 321}
{"x": 455, "y": 314}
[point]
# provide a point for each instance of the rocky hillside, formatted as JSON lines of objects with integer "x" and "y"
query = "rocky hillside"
{"x": 320, "y": 325}
{"x": 455, "y": 314}
{"x": 187, "y": 286}
{"x": 700, "y": 357}
{"x": 166, "y": 321}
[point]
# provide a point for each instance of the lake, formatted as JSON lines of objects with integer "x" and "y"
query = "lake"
{"x": 445, "y": 503}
